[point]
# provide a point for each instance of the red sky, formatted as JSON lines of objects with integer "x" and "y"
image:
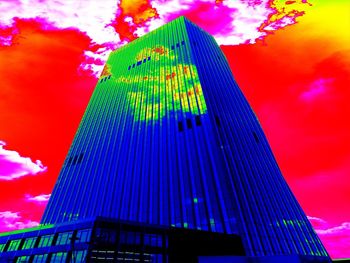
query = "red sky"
{"x": 290, "y": 58}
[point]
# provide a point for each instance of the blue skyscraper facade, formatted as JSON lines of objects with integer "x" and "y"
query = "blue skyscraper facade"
{"x": 168, "y": 140}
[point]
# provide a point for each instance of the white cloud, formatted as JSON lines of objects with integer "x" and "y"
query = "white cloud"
{"x": 43, "y": 198}
{"x": 13, "y": 165}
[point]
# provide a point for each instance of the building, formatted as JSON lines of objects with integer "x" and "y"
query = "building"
{"x": 169, "y": 144}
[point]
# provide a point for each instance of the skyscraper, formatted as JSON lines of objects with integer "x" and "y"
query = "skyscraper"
{"x": 168, "y": 140}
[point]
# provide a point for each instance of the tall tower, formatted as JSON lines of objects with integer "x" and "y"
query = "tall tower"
{"x": 169, "y": 139}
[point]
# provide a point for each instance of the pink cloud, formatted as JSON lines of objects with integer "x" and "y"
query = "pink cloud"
{"x": 40, "y": 199}
{"x": 13, "y": 165}
{"x": 319, "y": 88}
{"x": 336, "y": 238}
{"x": 12, "y": 221}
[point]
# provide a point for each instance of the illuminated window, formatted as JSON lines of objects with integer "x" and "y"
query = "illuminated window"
{"x": 14, "y": 245}
{"x": 29, "y": 243}
{"x": 40, "y": 258}
{"x": 83, "y": 236}
{"x": 23, "y": 259}
{"x": 45, "y": 241}
{"x": 59, "y": 257}
{"x": 64, "y": 238}
{"x": 2, "y": 246}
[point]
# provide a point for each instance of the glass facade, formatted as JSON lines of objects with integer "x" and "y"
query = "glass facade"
{"x": 169, "y": 139}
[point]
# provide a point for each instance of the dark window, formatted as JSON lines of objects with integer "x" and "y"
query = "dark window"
{"x": 129, "y": 67}
{"x": 101, "y": 80}
{"x": 144, "y": 60}
{"x": 189, "y": 123}
{"x": 177, "y": 45}
{"x": 172, "y": 47}
{"x": 182, "y": 42}
{"x": 256, "y": 137}
{"x": 139, "y": 62}
{"x": 133, "y": 65}
{"x": 109, "y": 76}
{"x": 194, "y": 43}
{"x": 217, "y": 120}
{"x": 198, "y": 120}
{"x": 149, "y": 58}
{"x": 105, "y": 78}
{"x": 75, "y": 159}
{"x": 180, "y": 126}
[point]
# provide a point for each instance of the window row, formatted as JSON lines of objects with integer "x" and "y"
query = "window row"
{"x": 197, "y": 119}
{"x": 105, "y": 78}
{"x": 138, "y": 63}
{"x": 177, "y": 45}
{"x": 58, "y": 257}
{"x": 64, "y": 238}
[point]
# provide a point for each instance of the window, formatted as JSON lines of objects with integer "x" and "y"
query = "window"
{"x": 109, "y": 76}
{"x": 144, "y": 60}
{"x": 139, "y": 63}
{"x": 180, "y": 126}
{"x": 172, "y": 47}
{"x": 2, "y": 246}
{"x": 40, "y": 258}
{"x": 129, "y": 67}
{"x": 177, "y": 45}
{"x": 14, "y": 244}
{"x": 45, "y": 241}
{"x": 75, "y": 159}
{"x": 189, "y": 123}
{"x": 79, "y": 256}
{"x": 23, "y": 259}
{"x": 59, "y": 257}
{"x": 217, "y": 120}
{"x": 133, "y": 65}
{"x": 153, "y": 240}
{"x": 149, "y": 58}
{"x": 64, "y": 238}
{"x": 256, "y": 137}
{"x": 83, "y": 236}
{"x": 101, "y": 80}
{"x": 29, "y": 243}
{"x": 198, "y": 120}
{"x": 182, "y": 42}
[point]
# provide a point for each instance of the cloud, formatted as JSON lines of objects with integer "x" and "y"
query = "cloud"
{"x": 110, "y": 24}
{"x": 12, "y": 221}
{"x": 13, "y": 165}
{"x": 40, "y": 199}
{"x": 317, "y": 89}
{"x": 336, "y": 238}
